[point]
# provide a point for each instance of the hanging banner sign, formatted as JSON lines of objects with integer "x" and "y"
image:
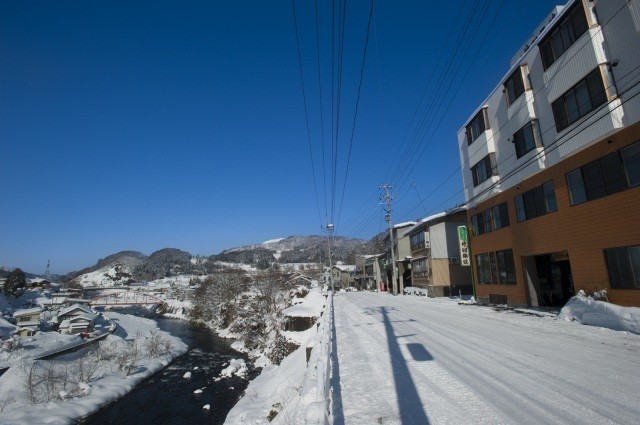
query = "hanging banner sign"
{"x": 463, "y": 241}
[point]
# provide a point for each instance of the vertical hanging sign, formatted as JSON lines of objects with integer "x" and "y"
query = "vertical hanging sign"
{"x": 463, "y": 241}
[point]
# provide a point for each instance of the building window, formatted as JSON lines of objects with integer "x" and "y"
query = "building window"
{"x": 631, "y": 161}
{"x": 477, "y": 126}
{"x": 623, "y": 265}
{"x": 417, "y": 241}
{"x": 500, "y": 215}
{"x": 563, "y": 35}
{"x": 420, "y": 268}
{"x": 605, "y": 176}
{"x": 579, "y": 100}
{"x": 484, "y": 274}
{"x": 514, "y": 86}
{"x": 506, "y": 267}
{"x": 496, "y": 268}
{"x": 525, "y": 139}
{"x": 484, "y": 169}
{"x": 538, "y": 201}
{"x": 490, "y": 219}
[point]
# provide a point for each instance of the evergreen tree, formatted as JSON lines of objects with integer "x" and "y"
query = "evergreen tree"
{"x": 16, "y": 279}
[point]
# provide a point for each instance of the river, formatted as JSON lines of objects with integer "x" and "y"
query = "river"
{"x": 167, "y": 397}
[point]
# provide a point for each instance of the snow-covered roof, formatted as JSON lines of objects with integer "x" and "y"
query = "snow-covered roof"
{"x": 405, "y": 224}
{"x": 27, "y": 311}
{"x": 71, "y": 308}
{"x": 423, "y": 222}
{"x": 345, "y": 267}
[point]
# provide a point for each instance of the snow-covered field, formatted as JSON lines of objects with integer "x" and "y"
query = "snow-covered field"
{"x": 77, "y": 385}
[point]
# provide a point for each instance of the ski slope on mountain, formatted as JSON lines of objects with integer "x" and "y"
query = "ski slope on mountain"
{"x": 410, "y": 360}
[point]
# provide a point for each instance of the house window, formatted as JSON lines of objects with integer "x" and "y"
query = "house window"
{"x": 623, "y": 265}
{"x": 496, "y": 268}
{"x": 563, "y": 35}
{"x": 477, "y": 126}
{"x": 538, "y": 201}
{"x": 514, "y": 86}
{"x": 484, "y": 169}
{"x": 579, "y": 100}
{"x": 605, "y": 176}
{"x": 420, "y": 268}
{"x": 417, "y": 241}
{"x": 525, "y": 139}
{"x": 490, "y": 219}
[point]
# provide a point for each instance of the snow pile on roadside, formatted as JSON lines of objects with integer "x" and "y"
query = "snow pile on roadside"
{"x": 236, "y": 367}
{"x": 587, "y": 311}
{"x": 311, "y": 306}
{"x": 419, "y": 292}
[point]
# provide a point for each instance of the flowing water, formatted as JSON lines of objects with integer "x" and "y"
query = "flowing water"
{"x": 168, "y": 398}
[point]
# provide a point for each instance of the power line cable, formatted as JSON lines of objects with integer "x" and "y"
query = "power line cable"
{"x": 355, "y": 115}
{"x": 306, "y": 113}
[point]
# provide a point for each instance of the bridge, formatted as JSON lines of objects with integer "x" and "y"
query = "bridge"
{"x": 124, "y": 299}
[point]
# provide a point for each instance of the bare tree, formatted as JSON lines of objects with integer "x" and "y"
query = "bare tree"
{"x": 215, "y": 298}
{"x": 157, "y": 344}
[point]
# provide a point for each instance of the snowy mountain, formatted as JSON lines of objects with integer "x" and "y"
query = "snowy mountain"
{"x": 131, "y": 266}
{"x": 125, "y": 267}
{"x": 296, "y": 249}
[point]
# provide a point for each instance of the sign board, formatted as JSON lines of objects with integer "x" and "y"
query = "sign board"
{"x": 463, "y": 241}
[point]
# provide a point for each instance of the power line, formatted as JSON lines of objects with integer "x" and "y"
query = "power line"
{"x": 306, "y": 113}
{"x": 355, "y": 115}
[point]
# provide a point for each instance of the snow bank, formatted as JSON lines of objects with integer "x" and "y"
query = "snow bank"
{"x": 420, "y": 292}
{"x": 311, "y": 306}
{"x": 587, "y": 311}
{"x": 236, "y": 367}
{"x": 281, "y": 393}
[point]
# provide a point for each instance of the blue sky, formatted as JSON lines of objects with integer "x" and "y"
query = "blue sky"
{"x": 141, "y": 125}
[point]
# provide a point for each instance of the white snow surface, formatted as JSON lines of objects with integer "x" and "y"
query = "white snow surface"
{"x": 418, "y": 360}
{"x": 410, "y": 360}
{"x": 587, "y": 311}
{"x": 108, "y": 385}
{"x": 236, "y": 367}
{"x": 310, "y": 306}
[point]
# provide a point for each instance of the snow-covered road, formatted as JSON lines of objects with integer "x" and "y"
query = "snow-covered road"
{"x": 407, "y": 360}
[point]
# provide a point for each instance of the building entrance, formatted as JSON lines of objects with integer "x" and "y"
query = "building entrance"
{"x": 549, "y": 279}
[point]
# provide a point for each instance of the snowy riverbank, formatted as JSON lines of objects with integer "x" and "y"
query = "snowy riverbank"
{"x": 75, "y": 385}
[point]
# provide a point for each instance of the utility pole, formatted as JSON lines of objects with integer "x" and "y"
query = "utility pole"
{"x": 330, "y": 231}
{"x": 387, "y": 197}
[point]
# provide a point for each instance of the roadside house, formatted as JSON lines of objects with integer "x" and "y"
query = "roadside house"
{"x": 343, "y": 276}
{"x": 435, "y": 255}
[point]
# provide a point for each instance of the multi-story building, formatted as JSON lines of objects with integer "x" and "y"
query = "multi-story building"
{"x": 435, "y": 254}
{"x": 343, "y": 276}
{"x": 369, "y": 271}
{"x": 551, "y": 162}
